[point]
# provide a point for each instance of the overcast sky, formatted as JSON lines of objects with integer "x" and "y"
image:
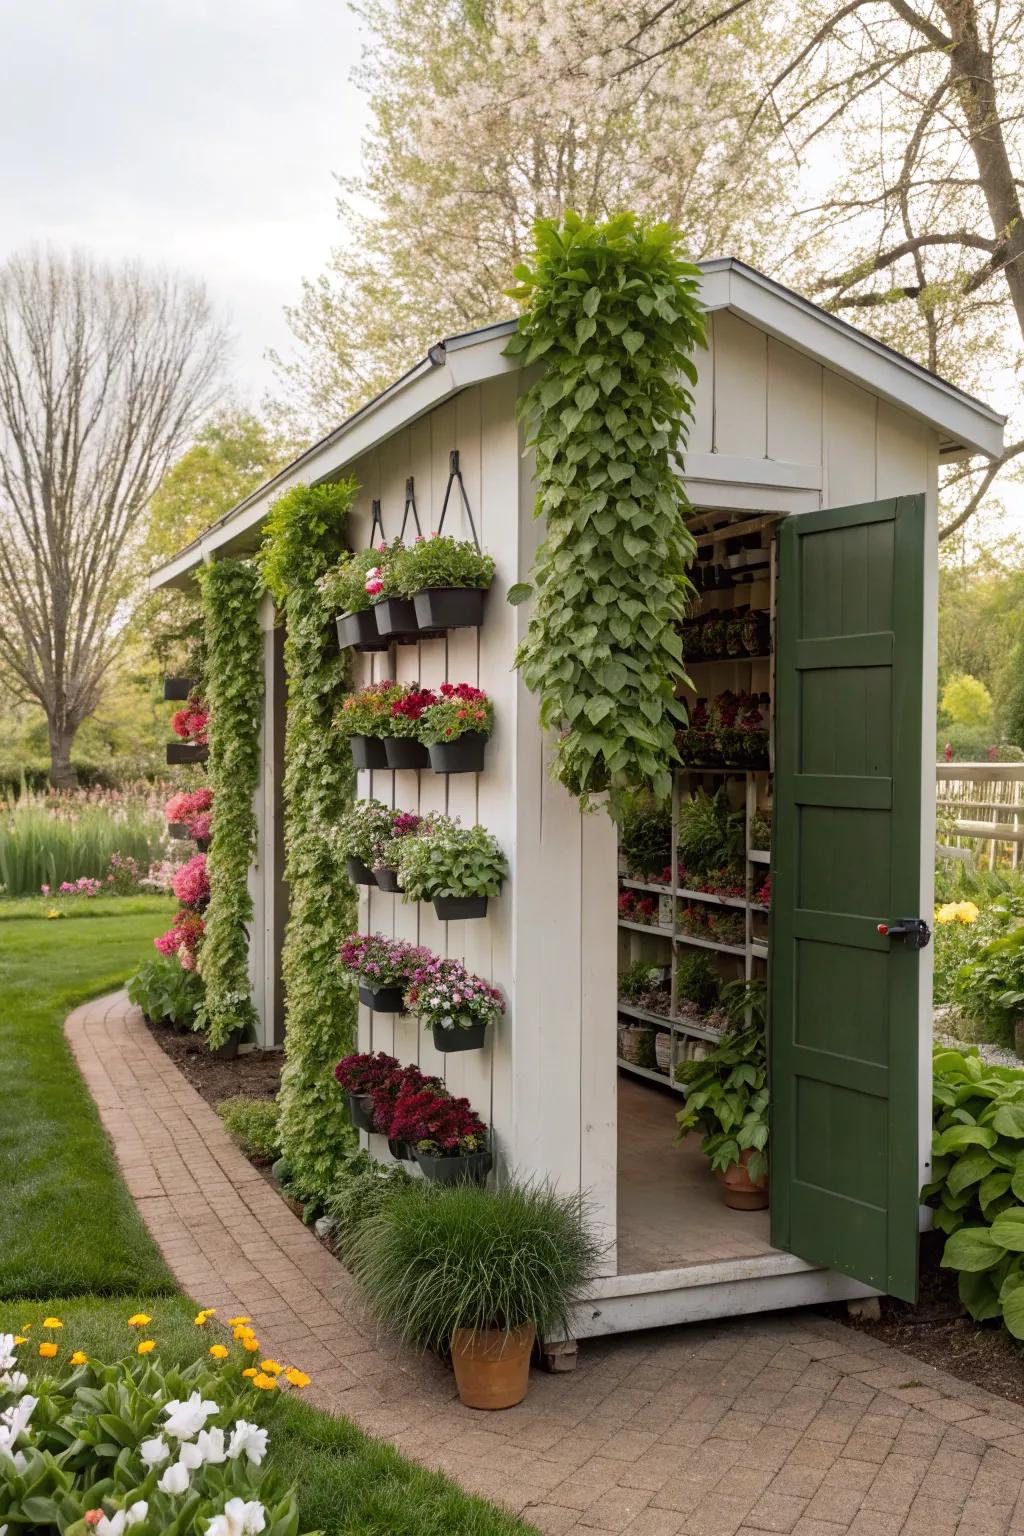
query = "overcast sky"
{"x": 197, "y": 134}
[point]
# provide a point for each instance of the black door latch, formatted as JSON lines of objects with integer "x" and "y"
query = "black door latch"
{"x": 913, "y": 929}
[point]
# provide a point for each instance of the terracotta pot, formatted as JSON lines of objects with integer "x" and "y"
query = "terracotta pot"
{"x": 492, "y": 1368}
{"x": 739, "y": 1190}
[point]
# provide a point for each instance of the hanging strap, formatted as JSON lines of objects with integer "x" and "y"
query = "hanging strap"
{"x": 410, "y": 506}
{"x": 378, "y": 522}
{"x": 455, "y": 473}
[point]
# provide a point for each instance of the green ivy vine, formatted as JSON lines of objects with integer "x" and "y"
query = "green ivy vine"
{"x": 610, "y": 310}
{"x": 304, "y": 538}
{"x": 231, "y": 592}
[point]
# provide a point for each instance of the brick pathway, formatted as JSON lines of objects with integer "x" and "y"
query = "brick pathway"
{"x": 778, "y": 1424}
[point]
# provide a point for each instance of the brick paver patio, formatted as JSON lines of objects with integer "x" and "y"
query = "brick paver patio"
{"x": 778, "y": 1424}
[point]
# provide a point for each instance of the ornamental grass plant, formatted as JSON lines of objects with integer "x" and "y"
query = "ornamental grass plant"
{"x": 446, "y": 1257}
{"x": 51, "y": 840}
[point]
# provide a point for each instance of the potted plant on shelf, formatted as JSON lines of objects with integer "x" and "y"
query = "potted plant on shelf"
{"x": 727, "y": 1099}
{"x": 455, "y": 730}
{"x": 404, "y": 826}
{"x": 361, "y": 833}
{"x": 457, "y": 868}
{"x": 756, "y": 630}
{"x": 363, "y": 719}
{"x": 447, "y": 1136}
{"x": 383, "y": 968}
{"x": 344, "y": 589}
{"x": 402, "y": 745}
{"x": 453, "y": 1004}
{"x": 360, "y": 1075}
{"x": 646, "y": 840}
{"x": 447, "y": 580}
{"x": 479, "y": 1273}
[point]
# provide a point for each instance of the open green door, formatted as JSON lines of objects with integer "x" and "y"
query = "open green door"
{"x": 846, "y": 859}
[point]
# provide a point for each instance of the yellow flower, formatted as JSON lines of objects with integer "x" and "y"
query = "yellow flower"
{"x": 52, "y": 1322}
{"x": 238, "y": 1322}
{"x": 251, "y": 1343}
{"x": 250, "y": 1371}
{"x": 271, "y": 1367}
{"x": 47, "y": 1351}
{"x": 146, "y": 1346}
{"x": 264, "y": 1382}
{"x": 218, "y": 1351}
{"x": 139, "y": 1320}
{"x": 296, "y": 1377}
{"x": 242, "y": 1332}
{"x": 967, "y": 912}
{"x": 19, "y": 1338}
{"x": 79, "y": 1357}
{"x": 54, "y": 913}
{"x": 957, "y": 912}
{"x": 200, "y": 1319}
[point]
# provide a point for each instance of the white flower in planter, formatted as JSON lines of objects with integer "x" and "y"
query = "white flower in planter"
{"x": 186, "y": 1419}
{"x": 175, "y": 1479}
{"x": 250, "y": 1439}
{"x": 116, "y": 1525}
{"x": 155, "y": 1451}
{"x": 211, "y": 1446}
{"x": 240, "y": 1518}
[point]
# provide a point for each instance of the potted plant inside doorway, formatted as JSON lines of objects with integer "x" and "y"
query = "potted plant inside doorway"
{"x": 456, "y": 729}
{"x": 453, "y": 1004}
{"x": 457, "y": 868}
{"x": 447, "y": 580}
{"x": 727, "y": 1099}
{"x": 479, "y": 1274}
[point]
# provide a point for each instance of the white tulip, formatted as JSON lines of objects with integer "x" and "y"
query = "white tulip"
{"x": 190, "y": 1455}
{"x": 175, "y": 1478}
{"x": 155, "y": 1451}
{"x": 240, "y": 1518}
{"x": 249, "y": 1439}
{"x": 186, "y": 1419}
{"x": 116, "y": 1525}
{"x": 14, "y": 1381}
{"x": 7, "y": 1355}
{"x": 211, "y": 1445}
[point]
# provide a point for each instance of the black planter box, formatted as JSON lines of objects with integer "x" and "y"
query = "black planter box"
{"x": 471, "y": 1168}
{"x": 179, "y": 752}
{"x": 229, "y": 1050}
{"x": 453, "y": 909}
{"x": 450, "y": 607}
{"x": 464, "y": 755}
{"x": 178, "y": 829}
{"x": 395, "y": 618}
{"x": 358, "y": 872}
{"x": 360, "y": 630}
{"x": 401, "y": 1150}
{"x": 405, "y": 752}
{"x": 387, "y": 879}
{"x": 177, "y": 689}
{"x": 381, "y": 999}
{"x": 368, "y": 751}
{"x": 360, "y": 1111}
{"x": 471, "y": 1039}
{"x": 202, "y": 843}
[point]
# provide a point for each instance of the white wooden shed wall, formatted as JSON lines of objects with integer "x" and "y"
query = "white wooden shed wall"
{"x": 774, "y": 431}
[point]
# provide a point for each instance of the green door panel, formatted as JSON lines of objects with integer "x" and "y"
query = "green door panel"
{"x": 846, "y": 856}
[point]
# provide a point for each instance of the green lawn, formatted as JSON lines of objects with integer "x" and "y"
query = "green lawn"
{"x": 70, "y": 1238}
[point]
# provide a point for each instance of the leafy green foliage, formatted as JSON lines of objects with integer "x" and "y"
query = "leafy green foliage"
{"x": 645, "y": 840}
{"x": 439, "y": 1257}
{"x": 441, "y": 562}
{"x": 710, "y": 832}
{"x": 449, "y": 860}
{"x": 253, "y": 1124}
{"x": 977, "y": 1183}
{"x": 306, "y": 532}
{"x": 231, "y": 592}
{"x": 362, "y": 1189}
{"x": 611, "y": 312}
{"x": 363, "y": 831}
{"x": 727, "y": 1099}
{"x": 165, "y": 991}
{"x": 39, "y": 847}
{"x": 697, "y": 981}
{"x": 990, "y": 987}
{"x": 344, "y": 586}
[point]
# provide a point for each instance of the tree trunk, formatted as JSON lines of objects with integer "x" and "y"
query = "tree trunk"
{"x": 62, "y": 774}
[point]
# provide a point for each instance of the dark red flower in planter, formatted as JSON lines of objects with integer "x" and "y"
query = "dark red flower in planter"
{"x": 412, "y": 704}
{"x": 386, "y": 1094}
{"x": 436, "y": 1122}
{"x": 363, "y": 1071}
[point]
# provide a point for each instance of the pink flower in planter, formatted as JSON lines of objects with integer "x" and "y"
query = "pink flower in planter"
{"x": 373, "y": 583}
{"x": 191, "y": 883}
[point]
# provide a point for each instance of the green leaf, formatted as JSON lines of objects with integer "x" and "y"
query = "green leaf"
{"x": 1008, "y": 1230}
{"x": 959, "y": 1136}
{"x": 972, "y": 1248}
{"x": 518, "y": 593}
{"x": 1008, "y": 1120}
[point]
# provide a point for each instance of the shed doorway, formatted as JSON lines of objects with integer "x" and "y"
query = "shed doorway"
{"x": 694, "y": 900}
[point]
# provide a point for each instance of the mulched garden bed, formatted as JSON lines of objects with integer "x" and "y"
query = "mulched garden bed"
{"x": 938, "y": 1331}
{"x": 257, "y": 1073}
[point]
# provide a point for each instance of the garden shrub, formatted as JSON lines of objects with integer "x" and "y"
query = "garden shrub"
{"x": 989, "y": 988}
{"x": 362, "y": 1189}
{"x": 977, "y": 1183}
{"x": 304, "y": 539}
{"x": 611, "y": 312}
{"x": 231, "y": 592}
{"x": 253, "y": 1124}
{"x": 166, "y": 992}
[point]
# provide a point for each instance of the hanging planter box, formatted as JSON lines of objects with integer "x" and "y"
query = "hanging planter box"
{"x": 400, "y": 1150}
{"x": 381, "y": 999}
{"x": 387, "y": 879}
{"x": 405, "y": 752}
{"x": 469, "y": 1168}
{"x": 177, "y": 689}
{"x": 471, "y": 1039}
{"x": 229, "y": 1049}
{"x": 450, "y": 607}
{"x": 368, "y": 751}
{"x": 359, "y": 630}
{"x": 179, "y": 752}
{"x": 395, "y": 618}
{"x": 453, "y": 909}
{"x": 177, "y": 829}
{"x": 358, "y": 872}
{"x": 202, "y": 843}
{"x": 464, "y": 755}
{"x": 360, "y": 1110}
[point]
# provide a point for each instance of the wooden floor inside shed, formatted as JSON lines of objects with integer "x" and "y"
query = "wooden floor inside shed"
{"x": 670, "y": 1211}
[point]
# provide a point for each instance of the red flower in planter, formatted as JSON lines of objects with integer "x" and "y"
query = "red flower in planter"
{"x": 191, "y": 883}
{"x": 412, "y": 704}
{"x": 434, "y": 1121}
{"x": 364, "y": 1071}
{"x": 190, "y": 723}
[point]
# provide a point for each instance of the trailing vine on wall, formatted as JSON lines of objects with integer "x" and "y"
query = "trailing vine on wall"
{"x": 304, "y": 538}
{"x": 231, "y": 592}
{"x": 610, "y": 310}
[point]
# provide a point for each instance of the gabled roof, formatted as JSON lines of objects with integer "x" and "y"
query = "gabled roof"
{"x": 966, "y": 426}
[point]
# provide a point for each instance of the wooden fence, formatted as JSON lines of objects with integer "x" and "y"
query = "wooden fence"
{"x": 981, "y": 807}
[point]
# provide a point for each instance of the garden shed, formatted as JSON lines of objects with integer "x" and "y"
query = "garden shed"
{"x": 812, "y": 468}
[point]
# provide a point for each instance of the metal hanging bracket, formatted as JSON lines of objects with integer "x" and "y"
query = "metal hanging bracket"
{"x": 378, "y": 522}
{"x": 455, "y": 474}
{"x": 410, "y": 506}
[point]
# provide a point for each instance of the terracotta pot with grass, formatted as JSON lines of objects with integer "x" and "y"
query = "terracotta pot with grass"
{"x": 492, "y": 1368}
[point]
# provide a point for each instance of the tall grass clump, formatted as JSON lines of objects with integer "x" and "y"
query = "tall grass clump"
{"x": 440, "y": 1257}
{"x": 47, "y": 839}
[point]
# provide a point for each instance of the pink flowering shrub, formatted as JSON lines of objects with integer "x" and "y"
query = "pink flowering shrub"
{"x": 191, "y": 884}
{"x": 183, "y": 938}
{"x": 189, "y": 806}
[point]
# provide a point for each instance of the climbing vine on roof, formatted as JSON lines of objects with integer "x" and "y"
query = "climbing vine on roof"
{"x": 304, "y": 537}
{"x": 611, "y": 314}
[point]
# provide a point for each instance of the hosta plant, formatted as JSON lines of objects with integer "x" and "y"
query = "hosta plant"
{"x": 461, "y": 710}
{"x": 990, "y": 988}
{"x": 442, "y": 562}
{"x": 448, "y": 859}
{"x": 166, "y": 991}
